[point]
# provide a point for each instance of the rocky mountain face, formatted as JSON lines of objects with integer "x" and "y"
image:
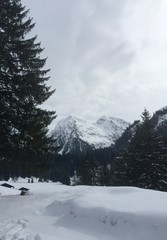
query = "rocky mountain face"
{"x": 160, "y": 121}
{"x": 160, "y": 117}
{"x": 76, "y": 135}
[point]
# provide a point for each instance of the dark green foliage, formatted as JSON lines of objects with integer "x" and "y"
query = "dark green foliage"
{"x": 122, "y": 142}
{"x": 104, "y": 158}
{"x": 62, "y": 168}
{"x": 95, "y": 167}
{"x": 23, "y": 124}
{"x": 119, "y": 171}
{"x": 94, "y": 163}
{"x": 144, "y": 162}
{"x": 89, "y": 170}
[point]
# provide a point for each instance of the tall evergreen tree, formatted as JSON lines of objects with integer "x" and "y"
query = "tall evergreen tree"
{"x": 23, "y": 87}
{"x": 144, "y": 162}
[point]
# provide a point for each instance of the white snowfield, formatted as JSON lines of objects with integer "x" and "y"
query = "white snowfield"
{"x": 55, "y": 211}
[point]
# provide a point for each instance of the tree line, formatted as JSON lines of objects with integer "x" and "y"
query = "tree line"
{"x": 142, "y": 162}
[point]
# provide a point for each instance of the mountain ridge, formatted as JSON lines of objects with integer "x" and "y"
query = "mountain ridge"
{"x": 76, "y": 135}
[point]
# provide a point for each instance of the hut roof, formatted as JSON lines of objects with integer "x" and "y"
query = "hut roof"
{"x": 24, "y": 189}
{"x": 7, "y": 185}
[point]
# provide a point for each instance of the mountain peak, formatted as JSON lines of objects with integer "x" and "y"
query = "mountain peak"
{"x": 72, "y": 118}
{"x": 73, "y": 132}
{"x": 106, "y": 117}
{"x": 69, "y": 118}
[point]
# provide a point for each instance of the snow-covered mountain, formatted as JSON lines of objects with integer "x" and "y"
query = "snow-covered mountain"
{"x": 160, "y": 117}
{"x": 77, "y": 135}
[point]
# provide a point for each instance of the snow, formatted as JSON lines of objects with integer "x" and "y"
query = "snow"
{"x": 99, "y": 134}
{"x": 6, "y": 191}
{"x": 162, "y": 109}
{"x": 53, "y": 211}
{"x": 162, "y": 119}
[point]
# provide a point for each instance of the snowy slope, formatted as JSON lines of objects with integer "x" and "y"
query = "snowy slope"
{"x": 160, "y": 117}
{"x": 58, "y": 212}
{"x": 73, "y": 132}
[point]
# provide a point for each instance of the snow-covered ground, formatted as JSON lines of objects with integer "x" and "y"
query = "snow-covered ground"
{"x": 55, "y": 211}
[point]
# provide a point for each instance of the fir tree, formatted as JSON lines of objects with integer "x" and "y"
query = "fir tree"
{"x": 154, "y": 156}
{"x": 144, "y": 162}
{"x": 23, "y": 87}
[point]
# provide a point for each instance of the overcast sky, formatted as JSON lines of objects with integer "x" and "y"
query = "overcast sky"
{"x": 107, "y": 57}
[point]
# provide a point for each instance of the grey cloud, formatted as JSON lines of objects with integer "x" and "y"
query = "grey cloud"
{"x": 105, "y": 55}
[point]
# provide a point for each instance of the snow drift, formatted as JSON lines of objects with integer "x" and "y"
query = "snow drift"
{"x": 55, "y": 211}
